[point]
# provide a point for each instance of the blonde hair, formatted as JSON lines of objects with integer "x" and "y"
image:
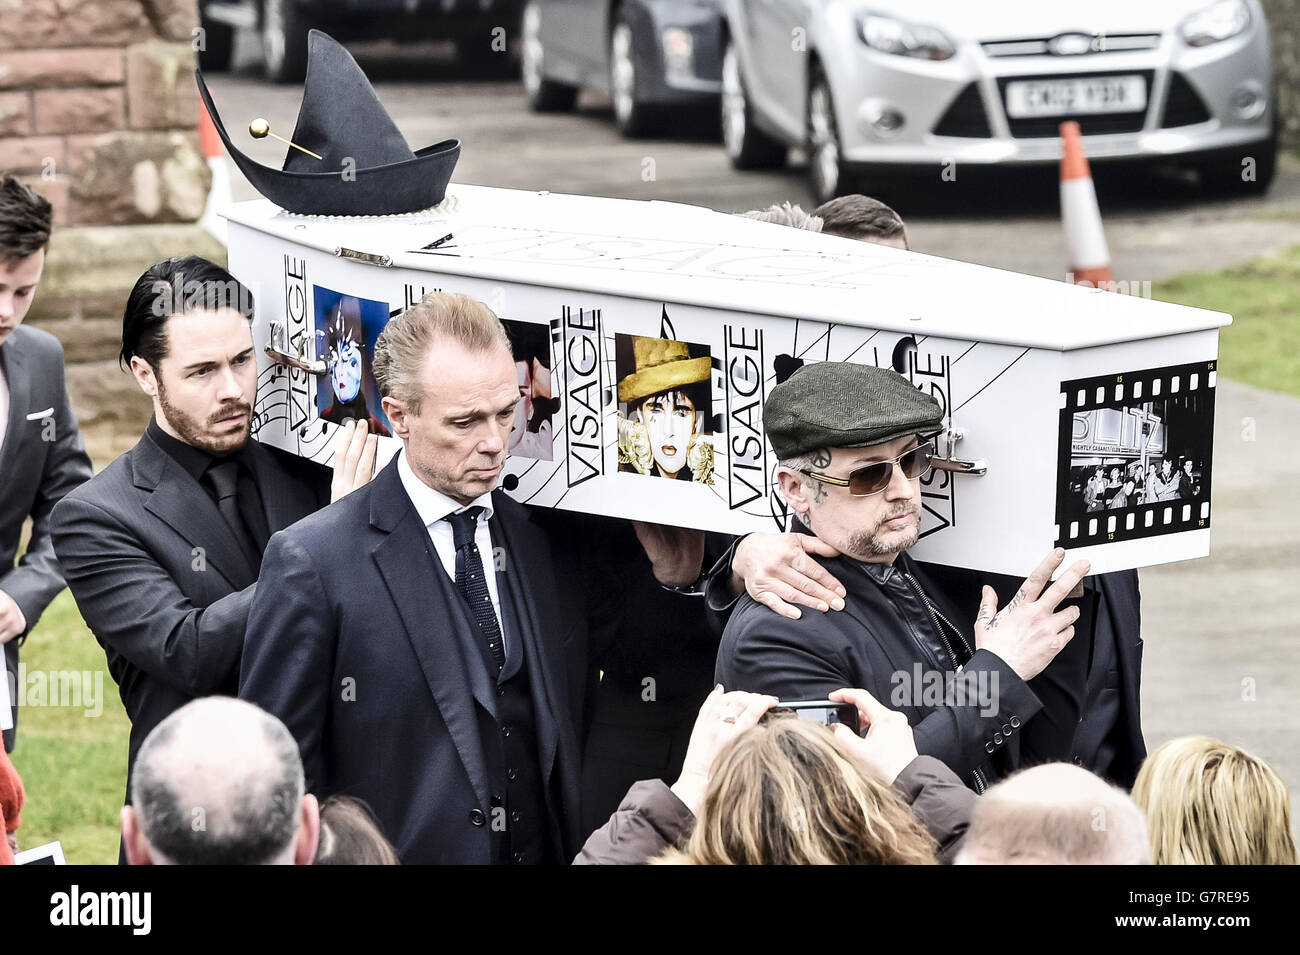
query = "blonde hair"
{"x": 787, "y": 793}
{"x": 1208, "y": 803}
{"x": 405, "y": 341}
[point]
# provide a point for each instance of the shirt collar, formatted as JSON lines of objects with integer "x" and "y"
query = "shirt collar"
{"x": 434, "y": 506}
{"x": 194, "y": 460}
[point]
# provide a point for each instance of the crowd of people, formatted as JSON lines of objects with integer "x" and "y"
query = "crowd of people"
{"x": 1128, "y": 486}
{"x": 338, "y": 666}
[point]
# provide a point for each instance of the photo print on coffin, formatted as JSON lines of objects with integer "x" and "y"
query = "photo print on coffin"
{"x": 1134, "y": 454}
{"x": 346, "y": 330}
{"x": 532, "y": 434}
{"x": 665, "y": 394}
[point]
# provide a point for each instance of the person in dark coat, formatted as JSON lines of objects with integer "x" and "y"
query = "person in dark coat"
{"x": 162, "y": 548}
{"x": 41, "y": 453}
{"x": 438, "y": 670}
{"x": 851, "y": 458}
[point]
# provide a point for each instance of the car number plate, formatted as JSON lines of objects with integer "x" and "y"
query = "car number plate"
{"x": 1103, "y": 94}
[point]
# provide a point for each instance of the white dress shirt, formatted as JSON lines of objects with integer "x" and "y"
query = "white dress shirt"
{"x": 434, "y": 508}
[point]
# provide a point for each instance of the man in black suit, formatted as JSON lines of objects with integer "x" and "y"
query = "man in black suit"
{"x": 41, "y": 454}
{"x": 850, "y": 441}
{"x": 162, "y": 548}
{"x": 427, "y": 641}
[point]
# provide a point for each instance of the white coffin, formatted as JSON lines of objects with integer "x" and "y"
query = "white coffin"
{"x": 1043, "y": 380}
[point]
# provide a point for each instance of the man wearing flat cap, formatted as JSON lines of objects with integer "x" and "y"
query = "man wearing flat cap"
{"x": 852, "y": 441}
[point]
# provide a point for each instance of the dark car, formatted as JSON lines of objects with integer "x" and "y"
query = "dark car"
{"x": 650, "y": 56}
{"x": 481, "y": 29}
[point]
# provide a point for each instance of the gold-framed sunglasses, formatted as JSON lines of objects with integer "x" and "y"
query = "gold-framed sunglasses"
{"x": 875, "y": 477}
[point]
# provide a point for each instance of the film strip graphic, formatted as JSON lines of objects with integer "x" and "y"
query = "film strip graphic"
{"x": 1134, "y": 454}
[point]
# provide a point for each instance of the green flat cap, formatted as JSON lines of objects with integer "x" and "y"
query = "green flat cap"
{"x": 839, "y": 404}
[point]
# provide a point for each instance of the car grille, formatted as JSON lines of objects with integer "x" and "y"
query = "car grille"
{"x": 1100, "y": 43}
{"x": 1183, "y": 106}
{"x": 1090, "y": 124}
{"x": 965, "y": 117}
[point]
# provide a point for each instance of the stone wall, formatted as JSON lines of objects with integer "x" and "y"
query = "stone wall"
{"x": 99, "y": 112}
{"x": 97, "y": 106}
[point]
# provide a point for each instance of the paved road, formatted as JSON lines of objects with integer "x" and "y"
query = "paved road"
{"x": 1222, "y": 654}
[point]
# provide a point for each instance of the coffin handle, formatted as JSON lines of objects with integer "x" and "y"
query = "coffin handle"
{"x": 275, "y": 351}
{"x": 947, "y": 440}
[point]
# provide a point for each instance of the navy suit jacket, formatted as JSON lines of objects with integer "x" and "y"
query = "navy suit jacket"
{"x": 351, "y": 643}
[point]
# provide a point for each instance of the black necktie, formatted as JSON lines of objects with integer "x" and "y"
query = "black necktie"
{"x": 223, "y": 477}
{"x": 472, "y": 583}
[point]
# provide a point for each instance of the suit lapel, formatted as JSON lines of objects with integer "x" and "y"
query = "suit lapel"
{"x": 16, "y": 374}
{"x": 407, "y": 563}
{"x": 178, "y": 501}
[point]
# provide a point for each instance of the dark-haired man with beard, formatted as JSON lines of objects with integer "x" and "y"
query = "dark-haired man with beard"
{"x": 162, "y": 548}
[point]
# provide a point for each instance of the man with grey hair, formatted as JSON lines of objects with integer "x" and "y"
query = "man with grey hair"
{"x": 219, "y": 782}
{"x": 425, "y": 638}
{"x": 785, "y": 214}
{"x": 1056, "y": 814}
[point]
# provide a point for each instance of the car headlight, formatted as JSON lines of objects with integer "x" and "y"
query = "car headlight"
{"x": 1219, "y": 21}
{"x": 890, "y": 35}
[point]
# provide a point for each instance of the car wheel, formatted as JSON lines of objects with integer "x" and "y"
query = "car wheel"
{"x": 825, "y": 164}
{"x": 542, "y": 95}
{"x": 284, "y": 41}
{"x": 633, "y": 118}
{"x": 746, "y": 145}
{"x": 218, "y": 43}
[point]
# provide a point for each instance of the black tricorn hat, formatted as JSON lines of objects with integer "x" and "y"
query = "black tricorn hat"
{"x": 367, "y": 169}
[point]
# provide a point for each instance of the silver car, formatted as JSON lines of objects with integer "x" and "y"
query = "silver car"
{"x": 911, "y": 84}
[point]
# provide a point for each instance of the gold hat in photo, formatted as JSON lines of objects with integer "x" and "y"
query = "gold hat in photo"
{"x": 661, "y": 365}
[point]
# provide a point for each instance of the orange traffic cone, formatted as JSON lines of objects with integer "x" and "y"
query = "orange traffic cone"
{"x": 219, "y": 197}
{"x": 1085, "y": 239}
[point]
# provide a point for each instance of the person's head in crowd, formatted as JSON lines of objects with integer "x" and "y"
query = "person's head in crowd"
{"x": 787, "y": 215}
{"x": 219, "y": 782}
{"x": 450, "y": 388}
{"x": 25, "y": 218}
{"x": 1114, "y": 476}
{"x": 787, "y": 792}
{"x": 187, "y": 338}
{"x": 852, "y": 445}
{"x": 1055, "y": 814}
{"x": 1208, "y": 803}
{"x": 349, "y": 835}
{"x": 1187, "y": 468}
{"x": 1166, "y": 467}
{"x": 864, "y": 218}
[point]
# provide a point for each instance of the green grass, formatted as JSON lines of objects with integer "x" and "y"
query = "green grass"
{"x": 73, "y": 765}
{"x": 1262, "y": 346}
